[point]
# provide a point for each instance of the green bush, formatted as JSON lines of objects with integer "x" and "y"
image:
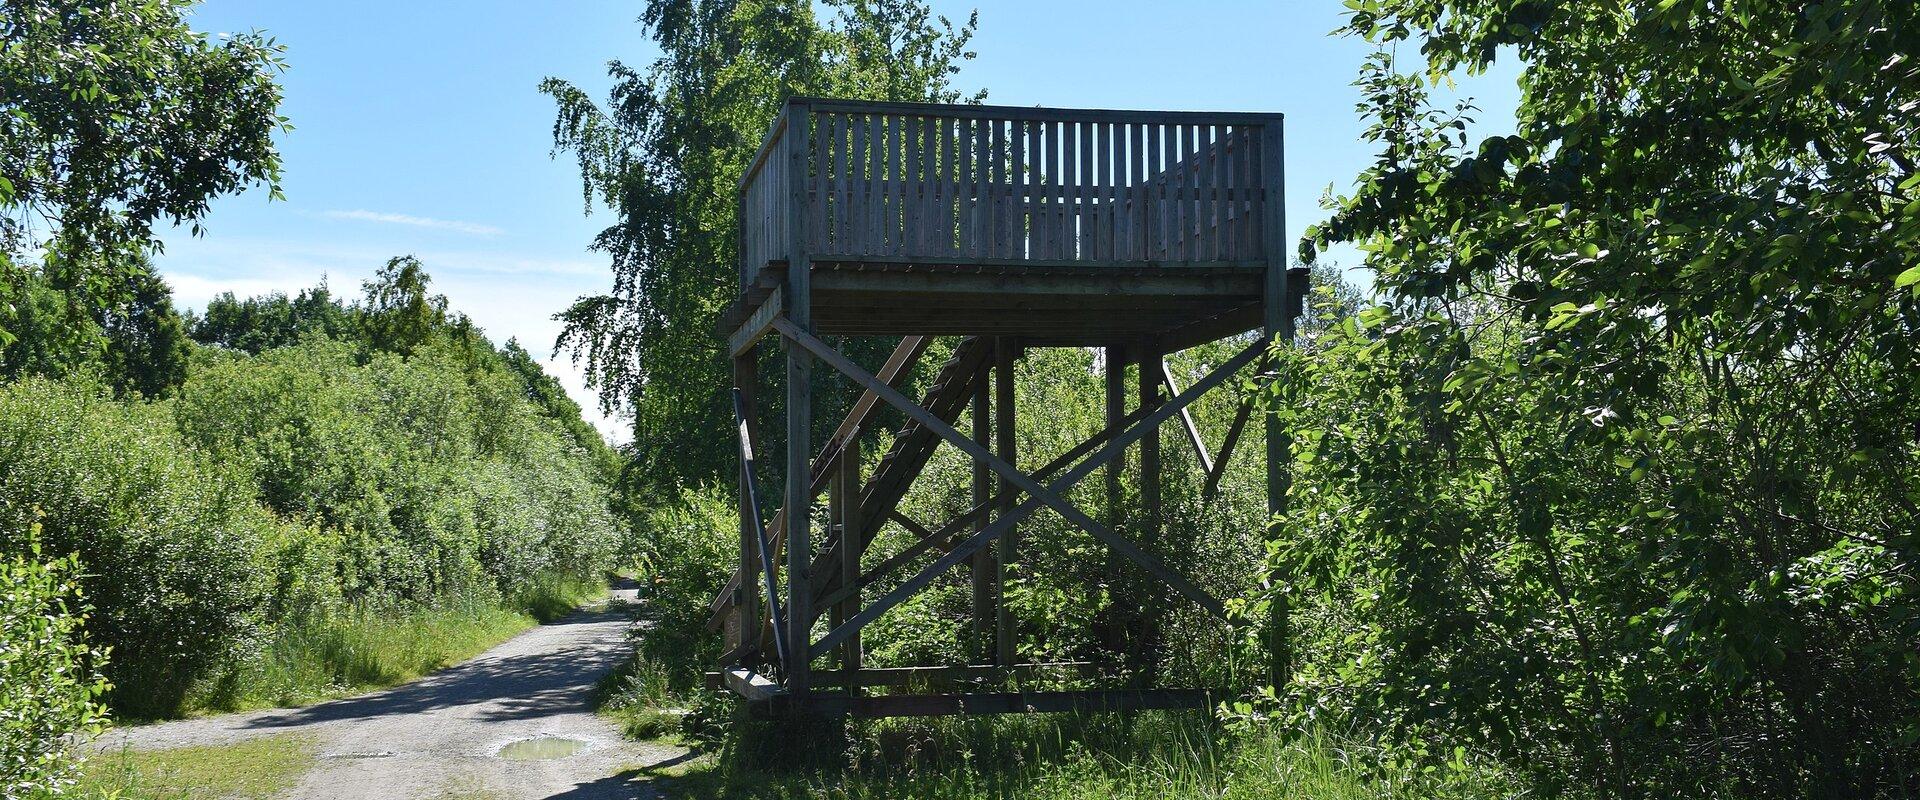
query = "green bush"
{"x": 440, "y": 479}
{"x": 48, "y": 686}
{"x": 167, "y": 538}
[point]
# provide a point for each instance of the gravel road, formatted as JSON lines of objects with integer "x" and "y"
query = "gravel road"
{"x": 441, "y": 736}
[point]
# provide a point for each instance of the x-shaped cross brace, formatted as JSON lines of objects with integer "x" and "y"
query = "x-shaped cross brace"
{"x": 1038, "y": 495}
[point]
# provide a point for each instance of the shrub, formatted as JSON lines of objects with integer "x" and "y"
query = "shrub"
{"x": 47, "y": 690}
{"x": 166, "y": 538}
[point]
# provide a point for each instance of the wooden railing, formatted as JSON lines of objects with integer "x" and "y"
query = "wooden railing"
{"x": 921, "y": 183}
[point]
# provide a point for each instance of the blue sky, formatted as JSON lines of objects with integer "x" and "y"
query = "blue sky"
{"x": 418, "y": 130}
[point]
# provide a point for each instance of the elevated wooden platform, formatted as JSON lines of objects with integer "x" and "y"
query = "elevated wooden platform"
{"x": 1043, "y": 305}
{"x": 1139, "y": 232}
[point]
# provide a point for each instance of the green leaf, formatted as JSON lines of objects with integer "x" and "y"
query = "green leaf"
{"x": 1908, "y": 278}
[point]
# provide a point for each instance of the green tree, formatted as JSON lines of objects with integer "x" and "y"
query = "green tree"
{"x": 257, "y": 324}
{"x": 113, "y": 117}
{"x": 1619, "y": 480}
{"x": 665, "y": 154}
{"x": 398, "y": 314}
{"x": 126, "y": 334}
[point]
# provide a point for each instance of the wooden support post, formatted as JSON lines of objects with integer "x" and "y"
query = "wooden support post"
{"x": 1277, "y": 325}
{"x": 1150, "y": 381}
{"x": 746, "y": 605}
{"x": 846, "y": 516}
{"x": 982, "y": 563}
{"x": 799, "y": 490}
{"x": 1005, "y": 351}
{"x": 1116, "y": 408}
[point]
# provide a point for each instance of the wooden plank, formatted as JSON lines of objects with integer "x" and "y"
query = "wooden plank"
{"x": 1060, "y": 160}
{"x": 1048, "y": 497}
{"x": 978, "y": 236}
{"x": 942, "y": 233}
{"x": 946, "y": 674}
{"x": 909, "y": 523}
{"x": 1029, "y": 113}
{"x": 750, "y": 685}
{"x": 924, "y": 235}
{"x": 895, "y": 184}
{"x": 1084, "y": 701}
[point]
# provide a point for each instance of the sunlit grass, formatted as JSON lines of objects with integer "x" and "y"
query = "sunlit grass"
{"x": 312, "y": 661}
{"x": 1178, "y": 755}
{"x": 253, "y": 769}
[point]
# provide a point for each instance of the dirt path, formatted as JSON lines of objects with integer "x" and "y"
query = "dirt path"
{"x": 440, "y": 736}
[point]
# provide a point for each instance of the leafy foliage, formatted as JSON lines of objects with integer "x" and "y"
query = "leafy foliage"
{"x": 113, "y": 117}
{"x": 47, "y": 688}
{"x": 282, "y": 495}
{"x": 665, "y": 154}
{"x": 1618, "y": 482}
{"x": 166, "y": 537}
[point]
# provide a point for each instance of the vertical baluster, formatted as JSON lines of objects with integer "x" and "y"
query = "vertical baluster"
{"x": 982, "y": 164}
{"x": 1210, "y": 213}
{"x": 1028, "y": 215}
{"x": 1064, "y": 191}
{"x": 1084, "y": 184}
{"x": 923, "y": 237}
{"x": 1137, "y": 249}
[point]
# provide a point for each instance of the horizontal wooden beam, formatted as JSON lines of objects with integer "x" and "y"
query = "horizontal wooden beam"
{"x": 912, "y": 676}
{"x": 1086, "y": 700}
{"x": 751, "y": 685}
{"x": 822, "y": 105}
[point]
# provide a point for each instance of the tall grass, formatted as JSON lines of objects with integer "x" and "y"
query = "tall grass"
{"x": 1178, "y": 755}
{"x": 309, "y": 660}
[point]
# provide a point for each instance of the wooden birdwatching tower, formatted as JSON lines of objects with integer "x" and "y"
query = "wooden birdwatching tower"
{"x": 1139, "y": 232}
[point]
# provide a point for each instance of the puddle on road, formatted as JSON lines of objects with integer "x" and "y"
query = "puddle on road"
{"x": 541, "y": 748}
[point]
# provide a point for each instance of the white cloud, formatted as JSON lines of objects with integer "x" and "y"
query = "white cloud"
{"x": 364, "y": 215}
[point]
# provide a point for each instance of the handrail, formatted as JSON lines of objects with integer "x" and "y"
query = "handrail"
{"x": 760, "y": 529}
{"x": 1034, "y": 113}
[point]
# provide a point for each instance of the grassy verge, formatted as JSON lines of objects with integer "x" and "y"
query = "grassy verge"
{"x": 315, "y": 660}
{"x": 1177, "y": 755}
{"x": 261, "y": 768}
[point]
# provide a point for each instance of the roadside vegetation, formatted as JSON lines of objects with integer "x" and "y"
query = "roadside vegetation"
{"x": 1606, "y": 487}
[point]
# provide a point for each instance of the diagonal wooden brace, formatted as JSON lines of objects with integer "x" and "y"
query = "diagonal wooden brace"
{"x": 1039, "y": 496}
{"x": 1026, "y": 483}
{"x": 939, "y": 537}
